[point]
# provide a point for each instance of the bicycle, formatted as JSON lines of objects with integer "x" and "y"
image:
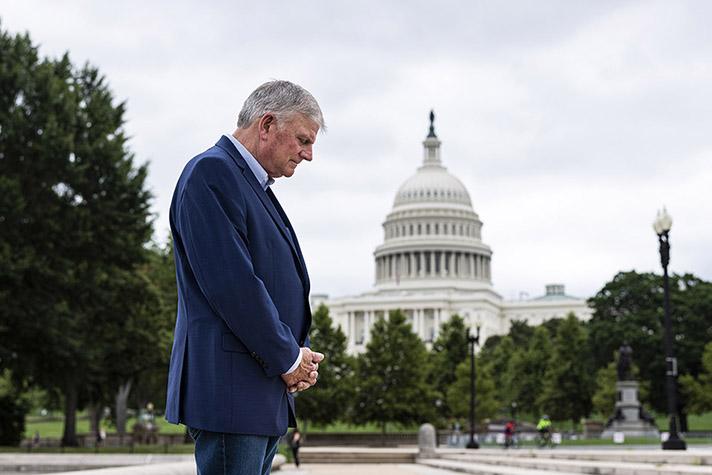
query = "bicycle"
{"x": 543, "y": 438}
{"x": 514, "y": 441}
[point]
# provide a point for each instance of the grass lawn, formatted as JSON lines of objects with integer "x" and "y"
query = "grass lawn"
{"x": 53, "y": 429}
{"x": 136, "y": 449}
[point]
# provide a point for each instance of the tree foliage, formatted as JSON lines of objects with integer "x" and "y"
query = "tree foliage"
{"x": 699, "y": 389}
{"x": 150, "y": 372}
{"x": 526, "y": 371}
{"x": 75, "y": 218}
{"x": 392, "y": 375}
{"x": 568, "y": 383}
{"x": 630, "y": 307}
{"x": 329, "y": 399}
{"x": 448, "y": 351}
{"x": 496, "y": 360}
{"x": 486, "y": 403}
{"x": 521, "y": 333}
{"x": 13, "y": 407}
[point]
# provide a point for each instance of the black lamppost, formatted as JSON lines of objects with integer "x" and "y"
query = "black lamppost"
{"x": 662, "y": 225}
{"x": 472, "y": 341}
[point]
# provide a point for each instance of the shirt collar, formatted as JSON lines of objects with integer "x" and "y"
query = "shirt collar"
{"x": 262, "y": 178}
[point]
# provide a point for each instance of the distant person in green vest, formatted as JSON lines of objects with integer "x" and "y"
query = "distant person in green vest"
{"x": 544, "y": 425}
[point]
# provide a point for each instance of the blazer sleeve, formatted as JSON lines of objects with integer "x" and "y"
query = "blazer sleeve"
{"x": 210, "y": 215}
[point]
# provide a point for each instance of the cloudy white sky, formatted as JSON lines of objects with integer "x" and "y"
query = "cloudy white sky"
{"x": 570, "y": 122}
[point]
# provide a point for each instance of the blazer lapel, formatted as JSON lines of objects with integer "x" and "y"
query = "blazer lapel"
{"x": 269, "y": 201}
{"x": 293, "y": 237}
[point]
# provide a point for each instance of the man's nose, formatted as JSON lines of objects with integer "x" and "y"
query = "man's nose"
{"x": 307, "y": 154}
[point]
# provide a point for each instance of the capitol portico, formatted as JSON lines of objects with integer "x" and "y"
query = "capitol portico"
{"x": 433, "y": 263}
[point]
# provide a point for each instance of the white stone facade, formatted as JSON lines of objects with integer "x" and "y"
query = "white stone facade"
{"x": 433, "y": 264}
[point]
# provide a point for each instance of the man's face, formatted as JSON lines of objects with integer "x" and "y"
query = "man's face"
{"x": 286, "y": 144}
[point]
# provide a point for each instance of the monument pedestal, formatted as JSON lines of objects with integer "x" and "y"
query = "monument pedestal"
{"x": 629, "y": 418}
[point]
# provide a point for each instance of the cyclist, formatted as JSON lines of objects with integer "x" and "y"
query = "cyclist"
{"x": 544, "y": 428}
{"x": 509, "y": 434}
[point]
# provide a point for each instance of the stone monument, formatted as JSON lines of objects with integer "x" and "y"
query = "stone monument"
{"x": 629, "y": 417}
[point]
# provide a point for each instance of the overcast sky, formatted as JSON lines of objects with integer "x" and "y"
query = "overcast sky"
{"x": 570, "y": 122}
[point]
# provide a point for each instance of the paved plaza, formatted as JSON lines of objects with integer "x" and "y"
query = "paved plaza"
{"x": 360, "y": 469}
{"x": 620, "y": 460}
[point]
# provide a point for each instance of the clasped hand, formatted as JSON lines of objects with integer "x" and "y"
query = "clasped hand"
{"x": 306, "y": 373}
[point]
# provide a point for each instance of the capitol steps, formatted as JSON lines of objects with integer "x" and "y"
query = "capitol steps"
{"x": 564, "y": 462}
{"x": 485, "y": 468}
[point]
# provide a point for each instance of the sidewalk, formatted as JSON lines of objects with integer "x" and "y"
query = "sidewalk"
{"x": 359, "y": 469}
{"x": 370, "y": 461}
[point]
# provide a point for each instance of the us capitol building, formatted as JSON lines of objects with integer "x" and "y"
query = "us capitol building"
{"x": 433, "y": 264}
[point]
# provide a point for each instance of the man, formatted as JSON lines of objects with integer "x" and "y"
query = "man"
{"x": 509, "y": 428}
{"x": 241, "y": 342}
{"x": 544, "y": 426}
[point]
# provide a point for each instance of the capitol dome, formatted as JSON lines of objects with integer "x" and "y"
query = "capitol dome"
{"x": 432, "y": 182}
{"x": 432, "y": 236}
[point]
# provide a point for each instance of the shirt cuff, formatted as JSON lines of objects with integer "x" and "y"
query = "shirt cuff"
{"x": 296, "y": 364}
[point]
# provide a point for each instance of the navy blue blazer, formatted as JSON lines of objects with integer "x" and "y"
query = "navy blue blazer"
{"x": 243, "y": 300}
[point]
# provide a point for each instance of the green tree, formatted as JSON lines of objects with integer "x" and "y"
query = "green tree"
{"x": 699, "y": 390}
{"x": 448, "y": 351}
{"x": 149, "y": 382}
{"x": 75, "y": 217}
{"x": 13, "y": 407}
{"x": 568, "y": 382}
{"x": 497, "y": 361}
{"x": 135, "y": 340}
{"x": 521, "y": 333}
{"x": 392, "y": 383}
{"x": 486, "y": 403}
{"x": 526, "y": 371}
{"x": 333, "y": 394}
{"x": 630, "y": 307}
{"x": 552, "y": 325}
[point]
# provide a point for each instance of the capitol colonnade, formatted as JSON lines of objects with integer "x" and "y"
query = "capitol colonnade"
{"x": 432, "y": 264}
{"x": 425, "y": 322}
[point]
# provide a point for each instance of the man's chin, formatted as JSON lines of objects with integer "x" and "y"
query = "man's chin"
{"x": 289, "y": 171}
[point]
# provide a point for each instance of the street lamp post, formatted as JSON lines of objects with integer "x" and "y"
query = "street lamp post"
{"x": 472, "y": 341}
{"x": 662, "y": 225}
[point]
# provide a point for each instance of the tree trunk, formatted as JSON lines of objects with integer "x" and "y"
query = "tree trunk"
{"x": 70, "y": 413}
{"x": 95, "y": 410}
{"x": 121, "y": 397}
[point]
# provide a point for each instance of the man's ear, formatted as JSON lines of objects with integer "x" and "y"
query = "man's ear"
{"x": 266, "y": 124}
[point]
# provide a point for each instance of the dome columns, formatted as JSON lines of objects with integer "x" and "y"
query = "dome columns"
{"x": 431, "y": 264}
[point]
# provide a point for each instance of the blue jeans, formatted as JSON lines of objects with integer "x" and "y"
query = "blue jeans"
{"x": 233, "y": 454}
